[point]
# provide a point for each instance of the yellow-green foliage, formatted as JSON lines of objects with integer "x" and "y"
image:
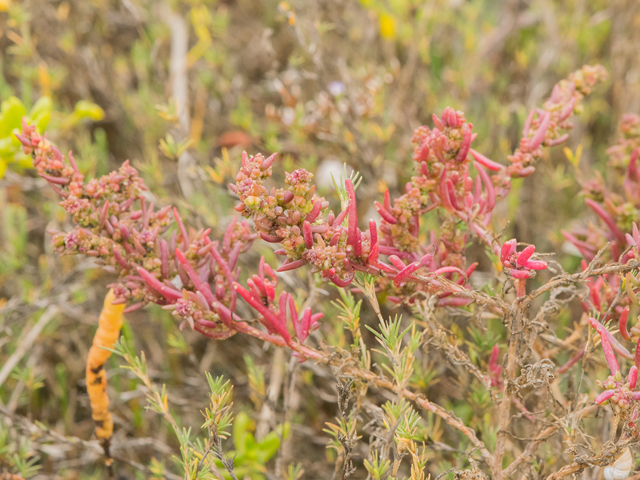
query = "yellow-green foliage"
{"x": 13, "y": 110}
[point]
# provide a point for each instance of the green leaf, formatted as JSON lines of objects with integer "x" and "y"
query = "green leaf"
{"x": 12, "y": 112}
{"x": 40, "y": 114}
{"x": 85, "y": 109}
{"x": 241, "y": 432}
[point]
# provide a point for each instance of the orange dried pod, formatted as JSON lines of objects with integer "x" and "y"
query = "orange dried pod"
{"x": 108, "y": 330}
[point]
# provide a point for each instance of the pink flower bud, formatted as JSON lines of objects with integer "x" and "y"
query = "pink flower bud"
{"x": 604, "y": 396}
{"x": 270, "y": 238}
{"x": 488, "y": 185}
{"x": 340, "y": 282}
{"x": 632, "y": 379}
{"x": 437, "y": 122}
{"x": 622, "y": 324}
{"x": 292, "y": 265}
{"x": 535, "y": 265}
{"x": 267, "y": 163}
{"x": 465, "y": 145}
{"x": 308, "y": 235}
{"x": 538, "y": 137}
{"x": 353, "y": 213}
{"x": 567, "y": 110}
{"x": 341, "y": 216}
{"x": 315, "y": 211}
{"x": 386, "y": 215}
{"x": 525, "y": 255}
{"x": 527, "y": 122}
{"x": 168, "y": 293}
{"x": 606, "y": 346}
{"x": 507, "y": 249}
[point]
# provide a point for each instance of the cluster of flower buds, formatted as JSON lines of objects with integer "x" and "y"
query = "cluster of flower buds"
{"x": 549, "y": 126}
{"x": 443, "y": 155}
{"x": 296, "y": 218}
{"x": 519, "y": 265}
{"x": 443, "y": 180}
{"x": 616, "y": 212}
{"x": 617, "y": 392}
{"x": 334, "y": 245}
{"x": 156, "y": 258}
{"x": 629, "y": 142}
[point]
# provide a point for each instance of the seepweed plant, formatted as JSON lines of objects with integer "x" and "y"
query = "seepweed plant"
{"x": 529, "y": 419}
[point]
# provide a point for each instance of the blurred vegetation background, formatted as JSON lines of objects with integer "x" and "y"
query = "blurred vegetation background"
{"x": 181, "y": 88}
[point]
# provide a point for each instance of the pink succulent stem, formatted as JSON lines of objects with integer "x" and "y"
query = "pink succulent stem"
{"x": 341, "y": 216}
{"x": 224, "y": 266}
{"x": 632, "y": 379}
{"x": 488, "y": 185}
{"x": 168, "y": 293}
{"x": 270, "y": 320}
{"x": 55, "y": 180}
{"x": 618, "y": 347}
{"x": 606, "y": 218}
{"x": 268, "y": 161}
{"x": 486, "y": 162}
{"x": 622, "y": 324}
{"x": 494, "y": 368}
{"x": 133, "y": 307}
{"x": 353, "y": 212}
{"x": 567, "y": 110}
{"x": 342, "y": 283}
{"x": 270, "y": 238}
{"x": 604, "y": 396}
{"x": 450, "y": 269}
{"x": 387, "y": 200}
{"x": 315, "y": 211}
{"x": 203, "y": 288}
{"x": 308, "y": 235}
{"x": 558, "y": 141}
{"x": 450, "y": 192}
{"x": 405, "y": 273}
{"x": 292, "y": 265}
{"x": 183, "y": 230}
{"x": 586, "y": 249}
{"x": 606, "y": 346}
{"x": 572, "y": 361}
{"x": 535, "y": 265}
{"x": 357, "y": 246}
{"x": 527, "y": 123}
{"x": 373, "y": 233}
{"x": 466, "y": 143}
{"x": 521, "y": 286}
{"x": 437, "y": 122}
{"x": 538, "y": 137}
{"x": 525, "y": 255}
{"x": 384, "y": 213}
{"x": 294, "y": 319}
